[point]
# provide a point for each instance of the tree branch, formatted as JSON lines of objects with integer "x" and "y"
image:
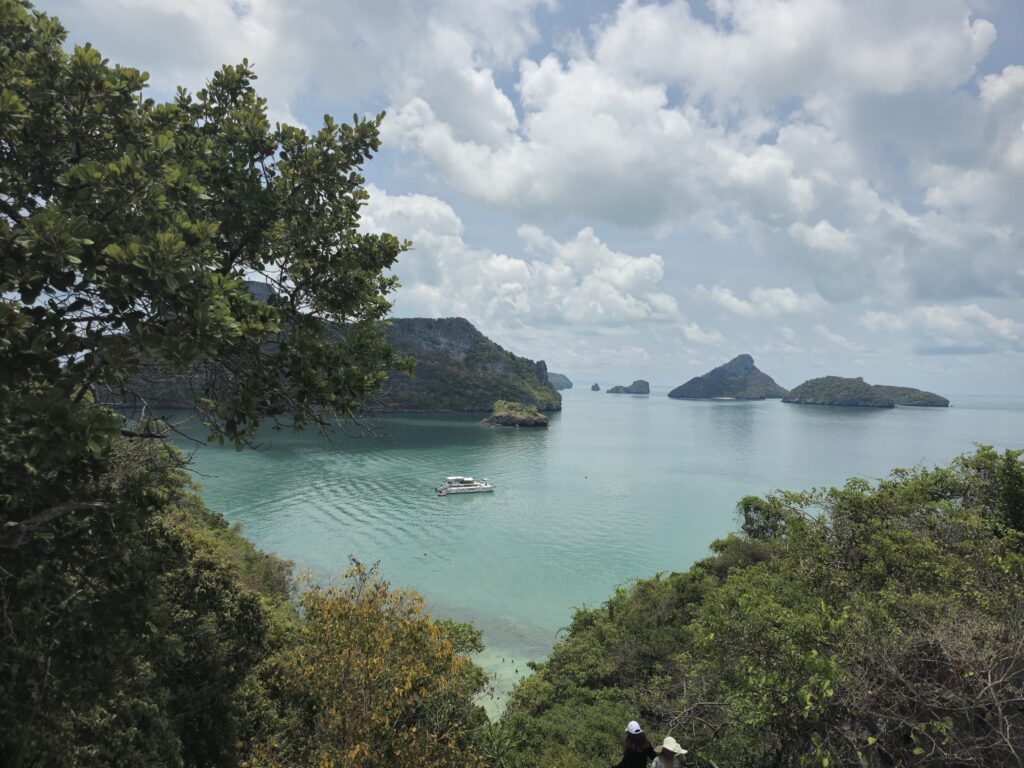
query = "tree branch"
{"x": 12, "y": 534}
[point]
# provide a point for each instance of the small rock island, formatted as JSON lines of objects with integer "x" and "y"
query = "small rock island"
{"x": 837, "y": 390}
{"x": 739, "y": 379}
{"x": 510, "y": 414}
{"x": 559, "y": 380}
{"x": 638, "y": 387}
{"x": 595, "y": 388}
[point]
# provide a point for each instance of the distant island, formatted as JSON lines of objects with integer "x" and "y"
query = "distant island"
{"x": 638, "y": 387}
{"x": 912, "y": 397}
{"x": 559, "y": 380}
{"x": 837, "y": 390}
{"x": 508, "y": 414}
{"x": 739, "y": 379}
{"x": 459, "y": 369}
{"x": 595, "y": 387}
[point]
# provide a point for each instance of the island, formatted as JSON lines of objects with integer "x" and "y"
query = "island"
{"x": 638, "y": 387}
{"x": 595, "y": 388}
{"x": 559, "y": 380}
{"x": 912, "y": 397}
{"x": 459, "y": 369}
{"x": 739, "y": 379}
{"x": 509, "y": 414}
{"x": 837, "y": 390}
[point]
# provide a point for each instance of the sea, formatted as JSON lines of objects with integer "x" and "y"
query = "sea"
{"x": 618, "y": 488}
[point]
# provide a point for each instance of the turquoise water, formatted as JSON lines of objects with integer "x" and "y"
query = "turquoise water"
{"x": 619, "y": 487}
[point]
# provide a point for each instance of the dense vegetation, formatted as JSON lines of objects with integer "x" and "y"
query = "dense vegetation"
{"x": 460, "y": 369}
{"x": 837, "y": 390}
{"x": 911, "y": 396}
{"x": 509, "y": 414}
{"x": 136, "y": 628}
{"x": 869, "y": 625}
{"x": 739, "y": 378}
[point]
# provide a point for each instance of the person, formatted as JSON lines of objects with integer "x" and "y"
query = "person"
{"x": 638, "y": 751}
{"x": 668, "y": 754}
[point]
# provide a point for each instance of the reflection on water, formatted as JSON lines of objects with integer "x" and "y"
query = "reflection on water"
{"x": 618, "y": 487}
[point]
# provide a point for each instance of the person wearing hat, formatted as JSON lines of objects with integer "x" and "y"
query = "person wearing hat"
{"x": 638, "y": 750}
{"x": 668, "y": 754}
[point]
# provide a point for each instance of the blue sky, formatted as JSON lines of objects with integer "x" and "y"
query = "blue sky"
{"x": 647, "y": 189}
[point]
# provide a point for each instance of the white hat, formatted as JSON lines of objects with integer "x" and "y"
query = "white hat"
{"x": 671, "y": 745}
{"x": 634, "y": 727}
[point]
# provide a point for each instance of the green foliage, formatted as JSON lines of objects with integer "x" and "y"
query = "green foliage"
{"x": 509, "y": 414}
{"x": 911, "y": 396}
{"x": 131, "y": 618}
{"x": 460, "y": 369}
{"x": 855, "y": 626}
{"x": 836, "y": 390}
{"x": 129, "y": 640}
{"x": 371, "y": 680}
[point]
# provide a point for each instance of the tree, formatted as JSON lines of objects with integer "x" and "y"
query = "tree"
{"x": 128, "y": 233}
{"x": 128, "y": 230}
{"x": 873, "y": 625}
{"x": 372, "y": 681}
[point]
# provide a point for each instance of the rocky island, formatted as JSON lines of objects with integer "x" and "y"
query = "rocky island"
{"x": 837, "y": 390}
{"x": 459, "y": 369}
{"x": 595, "y": 387}
{"x": 638, "y": 387}
{"x": 911, "y": 397}
{"x": 559, "y": 380}
{"x": 739, "y": 379}
{"x": 508, "y": 414}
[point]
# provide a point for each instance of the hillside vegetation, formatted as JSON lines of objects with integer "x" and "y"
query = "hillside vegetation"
{"x": 508, "y": 414}
{"x": 459, "y": 369}
{"x": 911, "y": 397}
{"x": 738, "y": 379}
{"x": 868, "y": 625}
{"x": 837, "y": 390}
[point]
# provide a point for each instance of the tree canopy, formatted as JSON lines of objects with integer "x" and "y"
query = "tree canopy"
{"x": 869, "y": 625}
{"x": 128, "y": 230}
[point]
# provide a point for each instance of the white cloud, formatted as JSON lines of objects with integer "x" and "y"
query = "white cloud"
{"x": 763, "y": 302}
{"x": 770, "y": 50}
{"x": 696, "y": 334}
{"x": 951, "y": 329}
{"x": 578, "y": 282}
{"x": 837, "y": 340}
{"x": 822, "y": 236}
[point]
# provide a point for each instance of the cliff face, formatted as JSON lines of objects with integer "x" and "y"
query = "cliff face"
{"x": 460, "y": 369}
{"x": 739, "y": 379}
{"x": 836, "y": 390}
{"x": 638, "y": 387}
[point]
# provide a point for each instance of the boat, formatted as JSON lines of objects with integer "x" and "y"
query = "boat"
{"x": 458, "y": 484}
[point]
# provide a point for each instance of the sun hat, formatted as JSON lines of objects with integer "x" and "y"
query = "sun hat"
{"x": 634, "y": 727}
{"x": 671, "y": 745}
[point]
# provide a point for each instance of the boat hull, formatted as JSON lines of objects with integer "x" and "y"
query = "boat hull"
{"x": 469, "y": 490}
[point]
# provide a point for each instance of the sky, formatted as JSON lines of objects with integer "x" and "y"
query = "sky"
{"x": 645, "y": 190}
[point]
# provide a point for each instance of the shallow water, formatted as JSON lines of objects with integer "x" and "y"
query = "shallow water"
{"x": 619, "y": 487}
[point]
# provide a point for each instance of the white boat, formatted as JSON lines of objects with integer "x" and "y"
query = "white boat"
{"x": 458, "y": 484}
